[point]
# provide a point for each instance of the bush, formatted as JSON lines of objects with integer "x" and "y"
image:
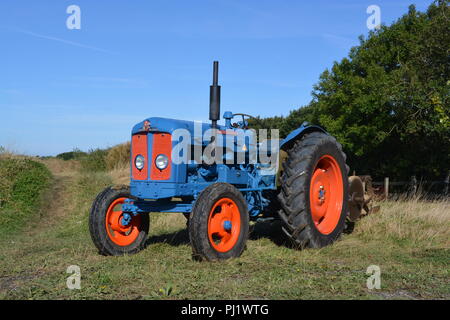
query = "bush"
{"x": 118, "y": 157}
{"x": 72, "y": 155}
{"x": 94, "y": 160}
{"x": 22, "y": 182}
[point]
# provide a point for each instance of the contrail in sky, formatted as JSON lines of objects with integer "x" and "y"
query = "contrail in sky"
{"x": 72, "y": 43}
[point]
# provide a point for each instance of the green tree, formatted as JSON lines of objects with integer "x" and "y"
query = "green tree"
{"x": 388, "y": 102}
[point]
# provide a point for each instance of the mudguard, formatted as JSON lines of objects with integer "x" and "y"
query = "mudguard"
{"x": 304, "y": 128}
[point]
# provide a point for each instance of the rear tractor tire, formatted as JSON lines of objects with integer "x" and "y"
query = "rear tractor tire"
{"x": 108, "y": 233}
{"x": 314, "y": 191}
{"x": 219, "y": 223}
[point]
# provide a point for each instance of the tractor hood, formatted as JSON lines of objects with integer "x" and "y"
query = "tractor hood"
{"x": 157, "y": 124}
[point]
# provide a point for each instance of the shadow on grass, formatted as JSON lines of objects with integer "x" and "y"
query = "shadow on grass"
{"x": 177, "y": 238}
{"x": 268, "y": 229}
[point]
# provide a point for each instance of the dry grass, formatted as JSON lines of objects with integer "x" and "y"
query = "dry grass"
{"x": 118, "y": 163}
{"x": 8, "y": 152}
{"x": 61, "y": 167}
{"x": 120, "y": 175}
{"x": 420, "y": 222}
{"x": 118, "y": 157}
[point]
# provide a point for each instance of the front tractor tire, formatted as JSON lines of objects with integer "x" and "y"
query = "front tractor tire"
{"x": 314, "y": 191}
{"x": 108, "y": 233}
{"x": 219, "y": 223}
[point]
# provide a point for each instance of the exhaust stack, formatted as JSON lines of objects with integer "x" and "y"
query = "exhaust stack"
{"x": 214, "y": 96}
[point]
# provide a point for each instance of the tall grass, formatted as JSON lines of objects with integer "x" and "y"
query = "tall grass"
{"x": 22, "y": 183}
{"x": 98, "y": 160}
{"x": 118, "y": 157}
{"x": 418, "y": 222}
{"x": 94, "y": 160}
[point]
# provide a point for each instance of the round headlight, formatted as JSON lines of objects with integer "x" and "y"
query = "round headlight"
{"x": 161, "y": 161}
{"x": 139, "y": 162}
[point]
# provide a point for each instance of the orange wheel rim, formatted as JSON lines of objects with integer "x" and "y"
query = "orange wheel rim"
{"x": 224, "y": 225}
{"x": 117, "y": 232}
{"x": 326, "y": 194}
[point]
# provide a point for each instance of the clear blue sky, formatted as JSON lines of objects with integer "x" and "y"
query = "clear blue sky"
{"x": 86, "y": 88}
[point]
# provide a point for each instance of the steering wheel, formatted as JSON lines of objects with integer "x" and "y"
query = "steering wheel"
{"x": 243, "y": 124}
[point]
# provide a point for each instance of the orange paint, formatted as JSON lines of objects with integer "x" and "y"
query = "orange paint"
{"x": 326, "y": 194}
{"x": 118, "y": 233}
{"x": 228, "y": 132}
{"x": 139, "y": 147}
{"x": 223, "y": 210}
{"x": 162, "y": 144}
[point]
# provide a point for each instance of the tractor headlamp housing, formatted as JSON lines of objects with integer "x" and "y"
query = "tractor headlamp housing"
{"x": 161, "y": 161}
{"x": 139, "y": 162}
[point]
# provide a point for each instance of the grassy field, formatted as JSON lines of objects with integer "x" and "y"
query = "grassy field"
{"x": 408, "y": 240}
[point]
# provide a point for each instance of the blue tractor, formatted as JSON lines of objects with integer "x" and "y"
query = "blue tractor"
{"x": 307, "y": 189}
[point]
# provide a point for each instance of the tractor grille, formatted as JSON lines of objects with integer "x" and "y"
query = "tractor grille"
{"x": 139, "y": 143}
{"x": 162, "y": 144}
{"x": 150, "y": 145}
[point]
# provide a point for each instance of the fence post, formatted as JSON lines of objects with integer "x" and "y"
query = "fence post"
{"x": 413, "y": 185}
{"x": 386, "y": 188}
{"x": 447, "y": 182}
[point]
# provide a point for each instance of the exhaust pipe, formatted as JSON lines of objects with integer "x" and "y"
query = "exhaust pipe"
{"x": 214, "y": 97}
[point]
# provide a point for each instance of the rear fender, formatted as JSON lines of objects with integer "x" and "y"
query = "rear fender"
{"x": 289, "y": 140}
{"x": 298, "y": 133}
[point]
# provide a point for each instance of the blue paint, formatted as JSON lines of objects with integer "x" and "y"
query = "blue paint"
{"x": 297, "y": 133}
{"x": 227, "y": 225}
{"x": 126, "y": 219}
{"x": 256, "y": 182}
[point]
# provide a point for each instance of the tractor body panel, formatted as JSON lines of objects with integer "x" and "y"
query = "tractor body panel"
{"x": 182, "y": 179}
{"x": 154, "y": 191}
{"x": 297, "y": 133}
